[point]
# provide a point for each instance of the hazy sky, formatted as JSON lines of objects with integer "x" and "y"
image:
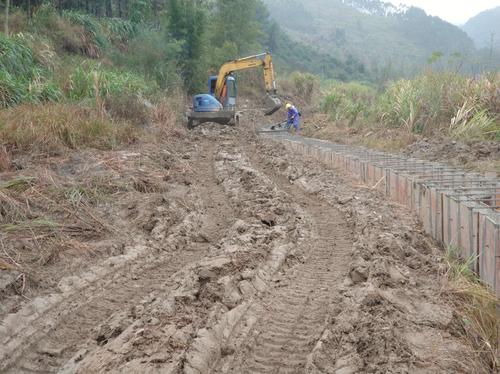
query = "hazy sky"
{"x": 454, "y": 11}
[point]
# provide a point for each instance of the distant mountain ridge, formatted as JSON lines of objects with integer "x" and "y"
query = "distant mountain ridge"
{"x": 378, "y": 33}
{"x": 485, "y": 29}
{"x": 375, "y": 7}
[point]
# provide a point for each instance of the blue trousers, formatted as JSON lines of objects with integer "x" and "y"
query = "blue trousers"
{"x": 295, "y": 124}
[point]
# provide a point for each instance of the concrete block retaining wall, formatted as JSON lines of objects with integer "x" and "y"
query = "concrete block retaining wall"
{"x": 456, "y": 208}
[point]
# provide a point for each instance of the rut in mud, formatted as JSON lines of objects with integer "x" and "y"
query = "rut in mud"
{"x": 295, "y": 311}
{"x": 276, "y": 265}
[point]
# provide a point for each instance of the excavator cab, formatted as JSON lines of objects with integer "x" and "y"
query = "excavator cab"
{"x": 204, "y": 103}
{"x": 229, "y": 91}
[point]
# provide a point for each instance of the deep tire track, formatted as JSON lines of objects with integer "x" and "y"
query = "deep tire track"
{"x": 296, "y": 311}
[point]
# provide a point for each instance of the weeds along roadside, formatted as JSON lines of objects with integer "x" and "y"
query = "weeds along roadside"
{"x": 67, "y": 171}
{"x": 479, "y": 307}
{"x": 76, "y": 92}
{"x": 101, "y": 82}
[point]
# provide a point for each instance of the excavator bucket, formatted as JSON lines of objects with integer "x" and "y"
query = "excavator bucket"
{"x": 273, "y": 104}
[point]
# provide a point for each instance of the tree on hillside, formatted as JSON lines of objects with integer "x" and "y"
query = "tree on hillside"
{"x": 6, "y": 25}
{"x": 187, "y": 24}
{"x": 236, "y": 23}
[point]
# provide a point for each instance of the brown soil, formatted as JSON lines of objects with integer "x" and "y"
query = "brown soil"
{"x": 220, "y": 253}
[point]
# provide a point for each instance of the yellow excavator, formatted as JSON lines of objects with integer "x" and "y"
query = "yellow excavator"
{"x": 219, "y": 104}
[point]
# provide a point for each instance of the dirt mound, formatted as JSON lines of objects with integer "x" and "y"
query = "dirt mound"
{"x": 456, "y": 153}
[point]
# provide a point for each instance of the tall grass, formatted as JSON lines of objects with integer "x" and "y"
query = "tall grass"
{"x": 118, "y": 30}
{"x": 448, "y": 102}
{"x": 348, "y": 102}
{"x": 93, "y": 38}
{"x": 434, "y": 102}
{"x": 35, "y": 67}
{"x": 425, "y": 101}
{"x": 22, "y": 77}
{"x": 88, "y": 80}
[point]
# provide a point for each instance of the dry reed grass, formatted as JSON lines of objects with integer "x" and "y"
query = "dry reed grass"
{"x": 478, "y": 305}
{"x": 55, "y": 127}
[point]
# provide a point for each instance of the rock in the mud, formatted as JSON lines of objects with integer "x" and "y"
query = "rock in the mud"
{"x": 246, "y": 288}
{"x": 247, "y": 274}
{"x": 345, "y": 200}
{"x": 168, "y": 306}
{"x": 347, "y": 365}
{"x": 359, "y": 271}
{"x": 206, "y": 275}
{"x": 240, "y": 226}
{"x": 232, "y": 296}
{"x": 51, "y": 351}
{"x": 311, "y": 186}
{"x": 348, "y": 282}
{"x": 8, "y": 278}
{"x": 227, "y": 350}
{"x": 215, "y": 264}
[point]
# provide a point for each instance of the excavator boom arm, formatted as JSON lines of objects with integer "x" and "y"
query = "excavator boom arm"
{"x": 264, "y": 60}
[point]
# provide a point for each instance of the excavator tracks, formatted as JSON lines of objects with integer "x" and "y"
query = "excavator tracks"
{"x": 294, "y": 312}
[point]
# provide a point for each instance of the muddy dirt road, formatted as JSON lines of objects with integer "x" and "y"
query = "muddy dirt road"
{"x": 254, "y": 261}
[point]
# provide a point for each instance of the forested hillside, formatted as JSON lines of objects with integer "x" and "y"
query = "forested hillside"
{"x": 166, "y": 42}
{"x": 484, "y": 29}
{"x": 382, "y": 36}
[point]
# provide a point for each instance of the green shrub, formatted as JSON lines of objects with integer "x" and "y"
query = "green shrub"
{"x": 348, "y": 101}
{"x": 87, "y": 80}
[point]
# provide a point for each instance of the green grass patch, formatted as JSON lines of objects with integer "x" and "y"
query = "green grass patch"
{"x": 18, "y": 184}
{"x": 30, "y": 225}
